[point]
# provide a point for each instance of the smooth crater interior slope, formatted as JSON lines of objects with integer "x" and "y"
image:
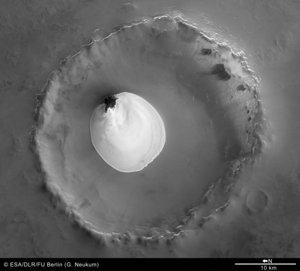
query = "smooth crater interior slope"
{"x": 207, "y": 98}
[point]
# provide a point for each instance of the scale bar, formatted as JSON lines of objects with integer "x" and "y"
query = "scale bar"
{"x": 265, "y": 264}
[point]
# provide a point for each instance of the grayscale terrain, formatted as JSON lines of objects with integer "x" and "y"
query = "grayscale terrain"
{"x": 224, "y": 76}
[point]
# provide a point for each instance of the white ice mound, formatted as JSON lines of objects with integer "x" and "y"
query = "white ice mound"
{"x": 128, "y": 135}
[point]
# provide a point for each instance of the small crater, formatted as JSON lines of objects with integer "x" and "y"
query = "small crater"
{"x": 256, "y": 201}
{"x": 206, "y": 51}
{"x": 220, "y": 71}
{"x": 129, "y": 7}
{"x": 241, "y": 88}
{"x": 110, "y": 102}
